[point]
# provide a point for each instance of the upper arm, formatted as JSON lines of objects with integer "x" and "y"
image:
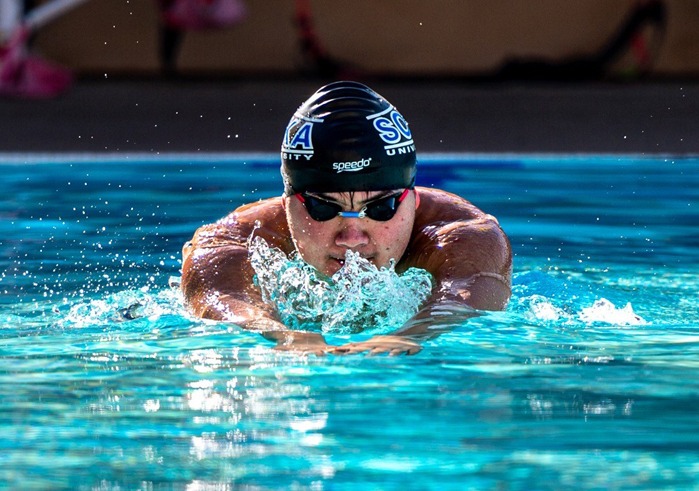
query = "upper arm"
{"x": 214, "y": 270}
{"x": 217, "y": 276}
{"x": 478, "y": 263}
{"x": 470, "y": 260}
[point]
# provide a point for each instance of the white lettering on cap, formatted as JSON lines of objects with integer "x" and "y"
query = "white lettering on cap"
{"x": 301, "y": 143}
{"x": 353, "y": 166}
{"x": 393, "y": 130}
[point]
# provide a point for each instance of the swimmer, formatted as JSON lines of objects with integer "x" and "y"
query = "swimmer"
{"x": 348, "y": 163}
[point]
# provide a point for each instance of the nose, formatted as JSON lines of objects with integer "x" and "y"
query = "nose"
{"x": 352, "y": 235}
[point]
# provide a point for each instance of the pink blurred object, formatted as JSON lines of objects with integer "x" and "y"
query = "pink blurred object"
{"x": 201, "y": 14}
{"x": 28, "y": 76}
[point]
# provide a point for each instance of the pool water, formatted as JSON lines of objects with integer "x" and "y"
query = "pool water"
{"x": 587, "y": 381}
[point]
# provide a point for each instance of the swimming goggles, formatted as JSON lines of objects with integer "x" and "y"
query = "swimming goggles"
{"x": 381, "y": 209}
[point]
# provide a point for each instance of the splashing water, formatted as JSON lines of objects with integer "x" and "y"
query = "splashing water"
{"x": 606, "y": 312}
{"x": 359, "y": 296}
{"x": 540, "y": 297}
{"x": 124, "y": 306}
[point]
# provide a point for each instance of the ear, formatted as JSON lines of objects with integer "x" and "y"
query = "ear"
{"x": 417, "y": 198}
{"x": 284, "y": 202}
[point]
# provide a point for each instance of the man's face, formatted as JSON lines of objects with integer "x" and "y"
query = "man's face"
{"x": 323, "y": 244}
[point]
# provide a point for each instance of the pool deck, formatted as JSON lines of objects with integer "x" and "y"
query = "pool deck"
{"x": 249, "y": 115}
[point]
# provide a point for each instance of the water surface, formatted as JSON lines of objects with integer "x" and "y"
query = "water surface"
{"x": 587, "y": 381}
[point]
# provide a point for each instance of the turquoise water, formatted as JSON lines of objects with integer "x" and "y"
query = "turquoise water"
{"x": 587, "y": 381}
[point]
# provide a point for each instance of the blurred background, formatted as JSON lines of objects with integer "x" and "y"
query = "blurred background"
{"x": 542, "y": 61}
{"x": 381, "y": 37}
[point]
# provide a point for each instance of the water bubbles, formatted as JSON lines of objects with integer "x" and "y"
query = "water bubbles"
{"x": 359, "y": 296}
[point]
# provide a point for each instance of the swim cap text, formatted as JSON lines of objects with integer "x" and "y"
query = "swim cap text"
{"x": 298, "y": 141}
{"x": 353, "y": 166}
{"x": 393, "y": 130}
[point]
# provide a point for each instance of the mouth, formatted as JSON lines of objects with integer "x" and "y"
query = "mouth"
{"x": 340, "y": 261}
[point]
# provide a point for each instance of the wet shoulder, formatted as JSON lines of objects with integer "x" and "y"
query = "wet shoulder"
{"x": 266, "y": 217}
{"x": 448, "y": 227}
{"x": 440, "y": 207}
{"x": 267, "y": 212}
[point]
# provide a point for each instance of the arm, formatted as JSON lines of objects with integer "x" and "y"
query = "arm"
{"x": 436, "y": 317}
{"x": 217, "y": 283}
{"x": 217, "y": 278}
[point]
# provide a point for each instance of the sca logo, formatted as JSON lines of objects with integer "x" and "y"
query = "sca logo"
{"x": 393, "y": 130}
{"x": 298, "y": 138}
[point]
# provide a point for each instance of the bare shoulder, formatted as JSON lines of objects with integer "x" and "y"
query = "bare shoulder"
{"x": 217, "y": 278}
{"x": 440, "y": 205}
{"x": 234, "y": 229}
{"x": 442, "y": 213}
{"x": 449, "y": 229}
{"x": 218, "y": 252}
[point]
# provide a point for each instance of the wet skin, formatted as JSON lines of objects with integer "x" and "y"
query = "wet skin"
{"x": 463, "y": 248}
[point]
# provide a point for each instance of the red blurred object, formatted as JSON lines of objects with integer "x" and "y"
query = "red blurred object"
{"x": 29, "y": 76}
{"x": 201, "y": 14}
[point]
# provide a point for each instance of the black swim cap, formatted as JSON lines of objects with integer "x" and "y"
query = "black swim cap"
{"x": 346, "y": 137}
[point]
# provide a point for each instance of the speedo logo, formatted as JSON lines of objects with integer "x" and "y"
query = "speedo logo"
{"x": 353, "y": 166}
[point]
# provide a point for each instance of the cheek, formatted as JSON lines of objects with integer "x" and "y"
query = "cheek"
{"x": 312, "y": 229}
{"x": 386, "y": 234}
{"x": 308, "y": 234}
{"x": 300, "y": 230}
{"x": 397, "y": 235}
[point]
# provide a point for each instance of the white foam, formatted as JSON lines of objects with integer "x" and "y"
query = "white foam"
{"x": 606, "y": 312}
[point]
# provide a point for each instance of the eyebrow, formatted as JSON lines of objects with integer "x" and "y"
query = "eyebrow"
{"x": 382, "y": 194}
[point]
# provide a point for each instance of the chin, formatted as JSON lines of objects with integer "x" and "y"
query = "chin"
{"x": 332, "y": 267}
